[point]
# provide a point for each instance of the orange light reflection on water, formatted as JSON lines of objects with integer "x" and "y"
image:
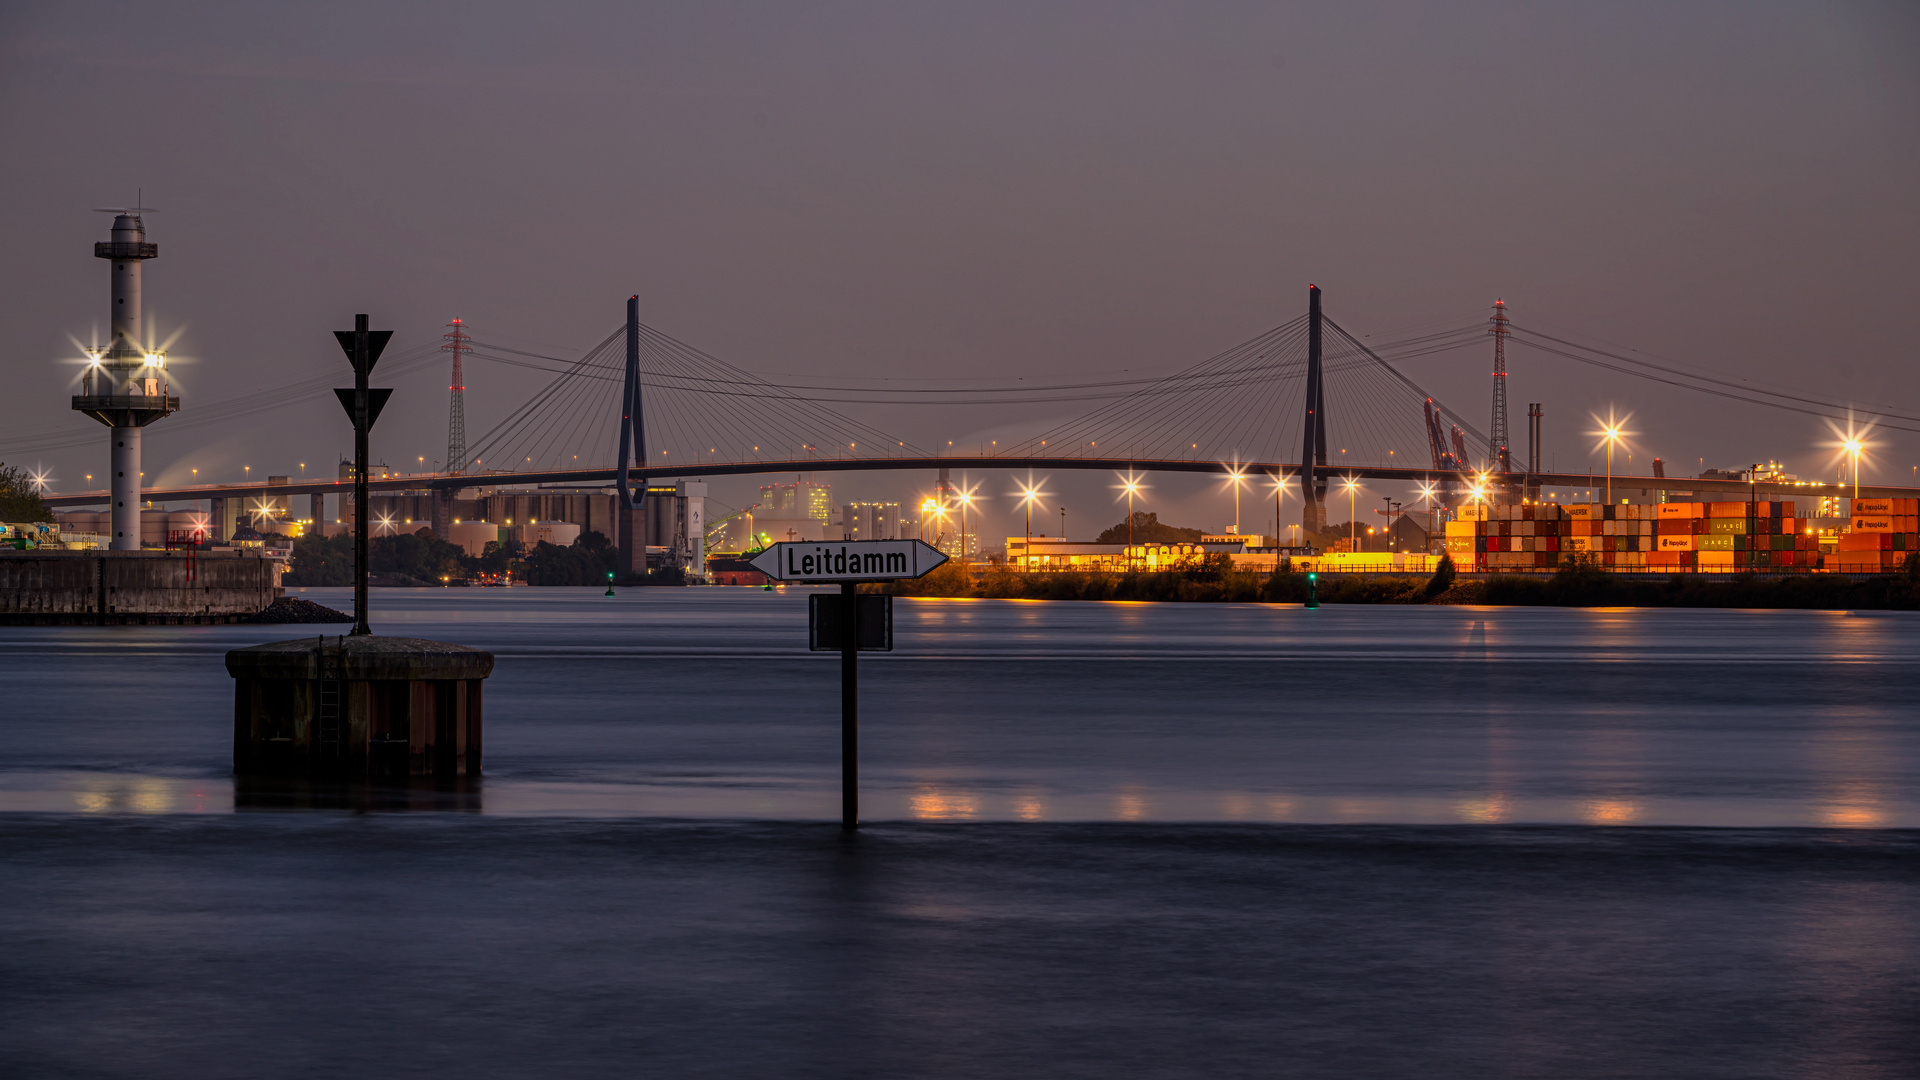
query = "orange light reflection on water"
{"x": 934, "y": 804}
{"x": 1610, "y": 813}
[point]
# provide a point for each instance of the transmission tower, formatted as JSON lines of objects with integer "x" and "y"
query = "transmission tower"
{"x": 1497, "y": 439}
{"x": 457, "y": 344}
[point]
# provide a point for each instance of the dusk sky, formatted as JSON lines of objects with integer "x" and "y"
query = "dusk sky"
{"x": 968, "y": 192}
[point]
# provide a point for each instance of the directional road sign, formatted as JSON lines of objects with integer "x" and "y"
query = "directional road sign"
{"x": 848, "y": 560}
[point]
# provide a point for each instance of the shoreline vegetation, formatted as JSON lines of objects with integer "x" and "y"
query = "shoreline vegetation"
{"x": 1577, "y": 585}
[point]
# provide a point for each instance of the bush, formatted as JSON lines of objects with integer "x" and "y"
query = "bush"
{"x": 19, "y": 501}
{"x": 1146, "y": 528}
{"x": 319, "y": 561}
{"x": 581, "y": 563}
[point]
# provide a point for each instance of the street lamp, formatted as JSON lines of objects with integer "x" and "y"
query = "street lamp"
{"x": 1131, "y": 485}
{"x": 1353, "y": 514}
{"x": 1029, "y": 494}
{"x": 965, "y": 499}
{"x": 1610, "y": 434}
{"x": 1279, "y": 482}
{"x": 1237, "y": 479}
{"x": 1853, "y": 442}
{"x": 1427, "y": 492}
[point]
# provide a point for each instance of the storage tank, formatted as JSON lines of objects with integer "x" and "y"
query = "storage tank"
{"x": 84, "y": 521}
{"x": 559, "y": 533}
{"x": 474, "y": 536}
{"x": 186, "y": 523}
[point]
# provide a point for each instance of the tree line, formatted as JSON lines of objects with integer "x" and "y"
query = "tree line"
{"x": 423, "y": 557}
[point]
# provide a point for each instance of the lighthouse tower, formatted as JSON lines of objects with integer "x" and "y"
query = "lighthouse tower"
{"x": 125, "y": 387}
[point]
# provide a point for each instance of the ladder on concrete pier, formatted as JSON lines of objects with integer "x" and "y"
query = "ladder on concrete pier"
{"x": 328, "y": 695}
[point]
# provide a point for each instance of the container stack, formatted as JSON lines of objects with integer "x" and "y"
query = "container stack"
{"x": 1618, "y": 537}
{"x": 1883, "y": 531}
{"x": 1655, "y": 538}
{"x": 1508, "y": 537}
{"x": 1733, "y": 537}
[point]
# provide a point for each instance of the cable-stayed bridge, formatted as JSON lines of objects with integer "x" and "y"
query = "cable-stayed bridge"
{"x": 1302, "y": 404}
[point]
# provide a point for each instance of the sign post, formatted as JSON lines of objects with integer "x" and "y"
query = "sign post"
{"x": 850, "y": 706}
{"x": 837, "y": 623}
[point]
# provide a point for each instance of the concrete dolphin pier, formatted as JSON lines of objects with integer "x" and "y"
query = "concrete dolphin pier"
{"x": 358, "y": 708}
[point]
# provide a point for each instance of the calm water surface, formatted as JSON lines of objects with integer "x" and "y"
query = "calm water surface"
{"x": 1108, "y": 840}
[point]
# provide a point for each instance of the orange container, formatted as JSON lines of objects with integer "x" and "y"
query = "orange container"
{"x": 1873, "y": 507}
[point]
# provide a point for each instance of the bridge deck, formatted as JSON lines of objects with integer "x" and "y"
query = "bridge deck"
{"x": 421, "y": 481}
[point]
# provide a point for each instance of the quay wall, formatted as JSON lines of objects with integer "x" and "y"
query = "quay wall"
{"x": 133, "y": 586}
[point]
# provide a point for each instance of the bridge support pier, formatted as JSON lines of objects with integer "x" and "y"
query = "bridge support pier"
{"x": 443, "y": 513}
{"x": 630, "y": 559}
{"x": 1313, "y": 520}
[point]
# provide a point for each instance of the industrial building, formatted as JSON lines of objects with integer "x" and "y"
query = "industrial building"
{"x": 800, "y": 499}
{"x": 875, "y": 521}
{"x": 802, "y": 510}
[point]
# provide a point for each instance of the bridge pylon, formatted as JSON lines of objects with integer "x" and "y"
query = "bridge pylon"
{"x": 1313, "y": 439}
{"x": 630, "y": 520}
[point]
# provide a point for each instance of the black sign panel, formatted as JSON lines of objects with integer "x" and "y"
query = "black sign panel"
{"x": 376, "y": 400}
{"x": 376, "y": 344}
{"x": 827, "y": 622}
